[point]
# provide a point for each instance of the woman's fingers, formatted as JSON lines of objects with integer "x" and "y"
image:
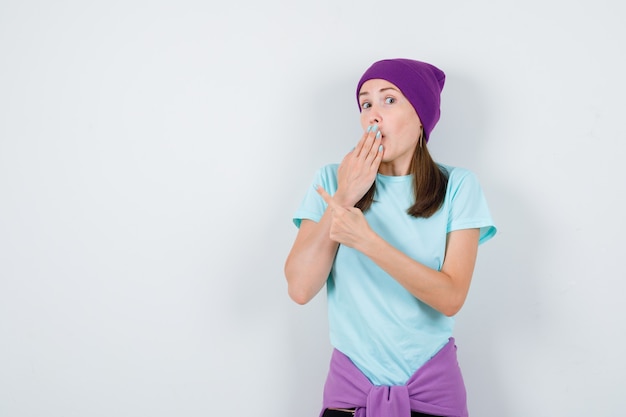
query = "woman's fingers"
{"x": 379, "y": 156}
{"x": 364, "y": 146}
{"x": 359, "y": 146}
{"x": 375, "y": 150}
{"x": 347, "y": 223}
{"x": 369, "y": 141}
{"x": 358, "y": 168}
{"x": 327, "y": 197}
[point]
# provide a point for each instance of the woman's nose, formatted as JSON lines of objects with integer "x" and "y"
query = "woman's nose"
{"x": 375, "y": 117}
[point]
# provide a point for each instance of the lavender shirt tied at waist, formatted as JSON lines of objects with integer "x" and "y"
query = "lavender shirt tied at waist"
{"x": 436, "y": 388}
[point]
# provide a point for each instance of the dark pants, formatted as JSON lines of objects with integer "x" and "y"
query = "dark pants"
{"x": 337, "y": 413}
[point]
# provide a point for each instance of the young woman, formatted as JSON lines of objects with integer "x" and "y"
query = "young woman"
{"x": 394, "y": 236}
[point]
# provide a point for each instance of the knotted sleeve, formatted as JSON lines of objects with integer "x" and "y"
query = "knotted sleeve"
{"x": 436, "y": 388}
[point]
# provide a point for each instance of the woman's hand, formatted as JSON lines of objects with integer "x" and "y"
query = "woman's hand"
{"x": 357, "y": 171}
{"x": 313, "y": 253}
{"x": 444, "y": 290}
{"x": 348, "y": 224}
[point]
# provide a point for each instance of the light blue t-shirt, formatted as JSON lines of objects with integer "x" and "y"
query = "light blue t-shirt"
{"x": 377, "y": 323}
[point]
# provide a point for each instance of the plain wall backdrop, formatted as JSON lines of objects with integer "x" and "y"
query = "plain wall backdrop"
{"x": 152, "y": 154}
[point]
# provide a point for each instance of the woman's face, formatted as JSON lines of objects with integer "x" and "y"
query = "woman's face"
{"x": 382, "y": 103}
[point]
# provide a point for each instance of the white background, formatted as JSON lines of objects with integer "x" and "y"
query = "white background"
{"x": 152, "y": 154}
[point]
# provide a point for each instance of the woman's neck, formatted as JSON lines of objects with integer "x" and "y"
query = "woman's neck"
{"x": 394, "y": 168}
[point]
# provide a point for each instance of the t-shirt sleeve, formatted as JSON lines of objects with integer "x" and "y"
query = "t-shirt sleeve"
{"x": 313, "y": 205}
{"x": 468, "y": 206}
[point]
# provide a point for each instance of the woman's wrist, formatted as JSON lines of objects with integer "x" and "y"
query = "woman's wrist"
{"x": 344, "y": 200}
{"x": 369, "y": 243}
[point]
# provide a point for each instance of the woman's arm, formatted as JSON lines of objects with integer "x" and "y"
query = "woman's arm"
{"x": 310, "y": 259}
{"x": 444, "y": 290}
{"x": 313, "y": 252}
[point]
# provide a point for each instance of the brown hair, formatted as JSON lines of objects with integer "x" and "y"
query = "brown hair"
{"x": 430, "y": 182}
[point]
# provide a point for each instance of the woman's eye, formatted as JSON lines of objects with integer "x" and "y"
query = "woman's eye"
{"x": 390, "y": 100}
{"x": 365, "y": 105}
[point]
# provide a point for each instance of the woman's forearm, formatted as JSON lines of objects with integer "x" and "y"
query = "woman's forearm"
{"x": 310, "y": 260}
{"x": 444, "y": 290}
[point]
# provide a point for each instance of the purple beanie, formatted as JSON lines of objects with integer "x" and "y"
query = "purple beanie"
{"x": 421, "y": 84}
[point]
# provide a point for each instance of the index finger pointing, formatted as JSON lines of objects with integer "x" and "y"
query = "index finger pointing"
{"x": 327, "y": 198}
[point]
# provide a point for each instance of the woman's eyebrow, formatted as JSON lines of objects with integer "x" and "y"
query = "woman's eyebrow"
{"x": 364, "y": 93}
